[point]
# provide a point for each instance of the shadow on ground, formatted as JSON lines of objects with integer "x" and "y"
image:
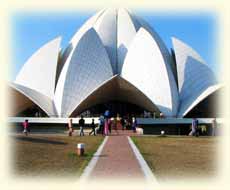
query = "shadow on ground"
{"x": 36, "y": 140}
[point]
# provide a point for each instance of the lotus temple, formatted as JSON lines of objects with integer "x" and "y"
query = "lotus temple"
{"x": 115, "y": 61}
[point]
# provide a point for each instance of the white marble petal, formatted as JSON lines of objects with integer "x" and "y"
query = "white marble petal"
{"x": 147, "y": 71}
{"x": 39, "y": 72}
{"x": 164, "y": 50}
{"x": 195, "y": 79}
{"x": 85, "y": 70}
{"x": 182, "y": 52}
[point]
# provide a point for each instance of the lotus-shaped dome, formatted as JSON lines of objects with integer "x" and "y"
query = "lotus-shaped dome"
{"x": 115, "y": 55}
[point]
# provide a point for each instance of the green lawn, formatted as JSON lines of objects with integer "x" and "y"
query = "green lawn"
{"x": 173, "y": 158}
{"x": 52, "y": 155}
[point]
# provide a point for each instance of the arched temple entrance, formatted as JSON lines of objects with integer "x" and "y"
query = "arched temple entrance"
{"x": 117, "y": 95}
{"x": 115, "y": 107}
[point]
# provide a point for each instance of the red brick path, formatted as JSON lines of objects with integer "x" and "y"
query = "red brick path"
{"x": 117, "y": 159}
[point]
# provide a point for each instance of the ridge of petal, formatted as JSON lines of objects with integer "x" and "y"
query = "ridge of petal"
{"x": 182, "y": 52}
{"x": 77, "y": 36}
{"x": 106, "y": 27}
{"x": 44, "y": 102}
{"x": 126, "y": 32}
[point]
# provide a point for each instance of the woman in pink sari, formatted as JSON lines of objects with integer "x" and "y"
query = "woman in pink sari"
{"x": 106, "y": 128}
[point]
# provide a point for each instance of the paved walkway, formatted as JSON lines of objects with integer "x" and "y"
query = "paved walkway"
{"x": 117, "y": 160}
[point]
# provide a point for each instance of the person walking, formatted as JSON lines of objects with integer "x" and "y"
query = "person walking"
{"x": 82, "y": 124}
{"x": 93, "y": 126}
{"x": 197, "y": 127}
{"x": 193, "y": 131}
{"x": 25, "y": 127}
{"x": 101, "y": 124}
{"x": 70, "y": 127}
{"x": 214, "y": 125}
{"x": 134, "y": 124}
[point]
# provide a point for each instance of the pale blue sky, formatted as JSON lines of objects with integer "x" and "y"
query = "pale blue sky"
{"x": 30, "y": 31}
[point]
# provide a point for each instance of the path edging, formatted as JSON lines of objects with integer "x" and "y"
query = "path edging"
{"x": 144, "y": 166}
{"x": 87, "y": 171}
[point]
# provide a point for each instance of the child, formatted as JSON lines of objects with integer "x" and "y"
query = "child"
{"x": 25, "y": 127}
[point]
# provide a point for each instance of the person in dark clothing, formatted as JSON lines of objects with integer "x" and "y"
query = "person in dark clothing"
{"x": 93, "y": 128}
{"x": 82, "y": 124}
{"x": 197, "y": 127}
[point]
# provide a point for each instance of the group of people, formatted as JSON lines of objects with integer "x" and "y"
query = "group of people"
{"x": 106, "y": 124}
{"x": 81, "y": 126}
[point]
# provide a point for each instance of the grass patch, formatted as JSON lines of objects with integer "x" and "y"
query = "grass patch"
{"x": 52, "y": 155}
{"x": 173, "y": 158}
